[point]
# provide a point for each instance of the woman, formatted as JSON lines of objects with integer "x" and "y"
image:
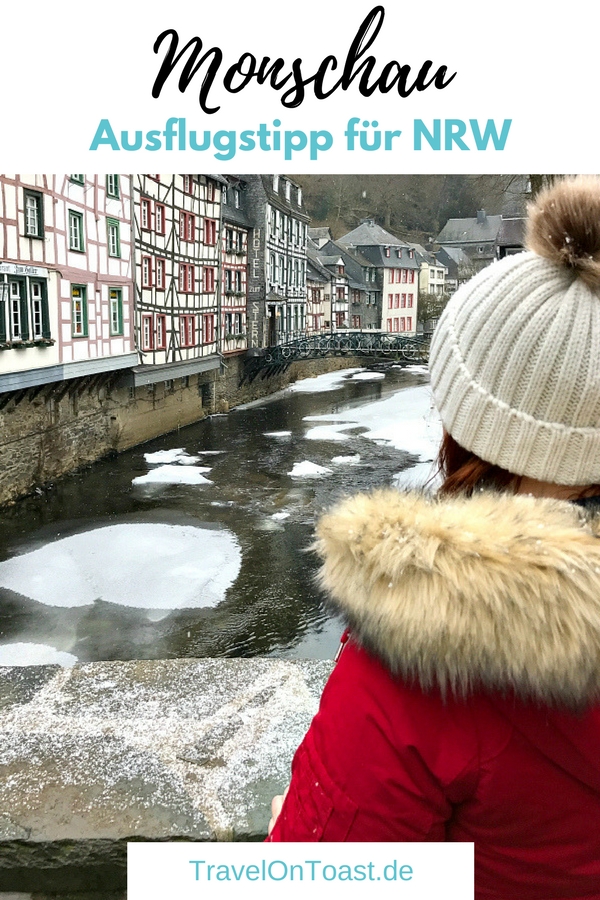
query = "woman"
{"x": 465, "y": 705}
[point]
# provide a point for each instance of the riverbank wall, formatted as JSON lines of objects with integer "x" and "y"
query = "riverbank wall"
{"x": 102, "y": 753}
{"x": 52, "y": 430}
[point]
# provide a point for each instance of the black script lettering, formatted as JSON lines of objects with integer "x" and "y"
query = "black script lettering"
{"x": 190, "y": 68}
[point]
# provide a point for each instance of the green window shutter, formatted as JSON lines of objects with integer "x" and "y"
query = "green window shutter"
{"x": 24, "y": 313}
{"x": 45, "y": 314}
{"x": 2, "y": 319}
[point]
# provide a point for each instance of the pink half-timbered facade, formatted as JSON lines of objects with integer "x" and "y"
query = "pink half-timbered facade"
{"x": 66, "y": 277}
{"x": 177, "y": 220}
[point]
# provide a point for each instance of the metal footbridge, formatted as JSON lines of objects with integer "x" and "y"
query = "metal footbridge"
{"x": 386, "y": 346}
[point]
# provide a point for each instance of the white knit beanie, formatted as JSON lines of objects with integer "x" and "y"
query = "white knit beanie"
{"x": 515, "y": 358}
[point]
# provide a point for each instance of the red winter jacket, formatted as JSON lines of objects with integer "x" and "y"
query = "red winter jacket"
{"x": 473, "y": 714}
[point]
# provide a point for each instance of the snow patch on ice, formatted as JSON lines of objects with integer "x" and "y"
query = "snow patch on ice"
{"x": 173, "y": 474}
{"x": 330, "y": 381}
{"x": 279, "y": 516}
{"x": 26, "y": 654}
{"x": 146, "y": 566}
{"x": 178, "y": 455}
{"x": 328, "y": 433}
{"x": 407, "y": 420}
{"x": 346, "y": 460}
{"x": 278, "y": 434}
{"x": 307, "y": 469}
{"x": 368, "y": 376}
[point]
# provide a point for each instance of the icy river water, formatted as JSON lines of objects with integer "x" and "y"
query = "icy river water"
{"x": 195, "y": 544}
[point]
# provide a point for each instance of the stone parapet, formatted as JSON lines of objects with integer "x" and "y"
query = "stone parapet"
{"x": 103, "y": 753}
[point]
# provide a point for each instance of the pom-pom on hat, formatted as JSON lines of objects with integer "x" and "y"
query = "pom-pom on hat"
{"x": 515, "y": 358}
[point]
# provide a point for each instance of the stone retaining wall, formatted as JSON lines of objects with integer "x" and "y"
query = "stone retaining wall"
{"x": 48, "y": 434}
{"x": 103, "y": 753}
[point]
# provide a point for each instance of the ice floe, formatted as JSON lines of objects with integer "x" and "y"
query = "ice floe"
{"x": 278, "y": 434}
{"x": 368, "y": 376}
{"x": 142, "y": 565}
{"x": 307, "y": 469}
{"x": 346, "y": 460}
{"x": 178, "y": 455}
{"x": 330, "y": 381}
{"x": 174, "y": 474}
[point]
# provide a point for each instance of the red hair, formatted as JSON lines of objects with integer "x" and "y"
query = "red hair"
{"x": 463, "y": 472}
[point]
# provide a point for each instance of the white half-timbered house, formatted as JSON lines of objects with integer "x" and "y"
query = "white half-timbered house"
{"x": 177, "y": 221}
{"x": 66, "y": 279}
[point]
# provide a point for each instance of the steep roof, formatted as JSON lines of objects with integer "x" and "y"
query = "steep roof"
{"x": 480, "y": 228}
{"x": 369, "y": 233}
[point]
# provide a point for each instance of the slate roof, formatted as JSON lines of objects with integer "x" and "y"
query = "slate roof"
{"x": 512, "y": 233}
{"x": 470, "y": 231}
{"x": 369, "y": 233}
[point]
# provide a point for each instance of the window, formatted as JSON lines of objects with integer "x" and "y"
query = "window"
{"x": 188, "y": 184}
{"x": 299, "y": 196}
{"x": 146, "y": 271}
{"x": 240, "y": 241}
{"x": 115, "y": 296}
{"x": 76, "y": 241}
{"x": 39, "y": 310}
{"x": 396, "y": 324}
{"x": 411, "y": 277}
{"x": 145, "y": 214}
{"x": 77, "y": 179}
{"x": 224, "y": 196}
{"x": 288, "y": 190}
{"x": 210, "y": 191}
{"x": 229, "y": 240}
{"x": 161, "y": 332}
{"x": 186, "y": 278}
{"x": 403, "y": 303}
{"x": 34, "y": 214}
{"x": 356, "y": 321}
{"x": 237, "y": 198}
{"x": 238, "y": 281}
{"x": 209, "y": 279}
{"x": 276, "y": 183}
{"x": 210, "y": 232}
{"x": 410, "y": 301}
{"x": 404, "y": 275}
{"x": 160, "y": 274}
{"x": 18, "y": 326}
{"x": 113, "y": 237}
{"x": 409, "y": 323}
{"x": 208, "y": 329}
{"x": 387, "y": 251}
{"x": 187, "y": 331}
{"x": 187, "y": 226}
{"x": 112, "y": 185}
{"x": 159, "y": 218}
{"x": 79, "y": 323}
{"x": 389, "y": 324}
{"x": 396, "y": 301}
{"x": 147, "y": 332}
{"x": 228, "y": 281}
{"x": 402, "y": 324}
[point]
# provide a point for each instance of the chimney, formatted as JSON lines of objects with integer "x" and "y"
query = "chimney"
{"x": 481, "y": 217}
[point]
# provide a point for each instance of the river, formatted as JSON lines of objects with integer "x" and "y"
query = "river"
{"x": 195, "y": 544}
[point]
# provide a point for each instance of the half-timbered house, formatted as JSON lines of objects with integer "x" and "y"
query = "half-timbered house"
{"x": 66, "y": 278}
{"x": 177, "y": 221}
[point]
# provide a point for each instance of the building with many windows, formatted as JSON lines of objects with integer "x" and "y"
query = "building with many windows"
{"x": 66, "y": 278}
{"x": 276, "y": 259}
{"x": 235, "y": 235}
{"x": 177, "y": 221}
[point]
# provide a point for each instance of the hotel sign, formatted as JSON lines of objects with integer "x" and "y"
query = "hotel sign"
{"x": 18, "y": 269}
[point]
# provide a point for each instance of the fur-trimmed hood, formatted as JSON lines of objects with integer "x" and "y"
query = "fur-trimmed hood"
{"x": 493, "y": 591}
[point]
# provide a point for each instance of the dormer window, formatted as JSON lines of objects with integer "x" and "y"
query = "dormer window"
{"x": 411, "y": 254}
{"x": 276, "y": 183}
{"x": 387, "y": 251}
{"x": 299, "y": 196}
{"x": 399, "y": 252}
{"x": 340, "y": 270}
{"x": 288, "y": 190}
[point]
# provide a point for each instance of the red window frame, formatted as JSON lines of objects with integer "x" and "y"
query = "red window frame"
{"x": 403, "y": 301}
{"x": 186, "y": 278}
{"x": 160, "y": 218}
{"x": 409, "y": 323}
{"x": 208, "y": 328}
{"x": 209, "y": 279}
{"x": 161, "y": 332}
{"x": 187, "y": 226}
{"x": 409, "y": 301}
{"x": 390, "y": 301}
{"x": 389, "y": 324}
{"x": 147, "y": 331}
{"x": 404, "y": 275}
{"x": 187, "y": 331}
{"x": 210, "y": 232}
{"x": 402, "y": 323}
{"x": 411, "y": 277}
{"x": 188, "y": 184}
{"x": 160, "y": 274}
{"x": 210, "y": 191}
{"x": 146, "y": 266}
{"x": 145, "y": 214}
